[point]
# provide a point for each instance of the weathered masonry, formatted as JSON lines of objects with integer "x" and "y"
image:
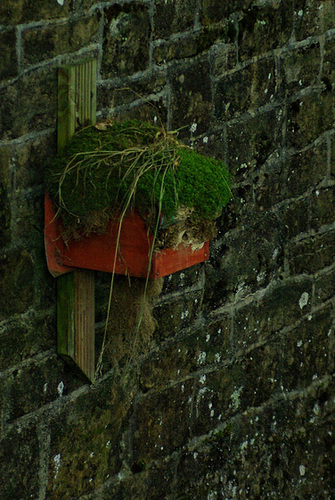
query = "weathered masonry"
{"x": 231, "y": 395}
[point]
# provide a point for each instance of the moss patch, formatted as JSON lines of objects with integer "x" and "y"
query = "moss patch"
{"x": 137, "y": 165}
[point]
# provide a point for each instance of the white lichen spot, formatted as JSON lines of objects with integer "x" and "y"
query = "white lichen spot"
{"x": 57, "y": 460}
{"x": 202, "y": 358}
{"x": 193, "y": 127}
{"x": 235, "y": 397}
{"x": 303, "y": 301}
{"x": 60, "y": 388}
{"x": 300, "y": 13}
{"x": 302, "y": 470}
{"x": 260, "y": 277}
{"x": 202, "y": 379}
{"x": 299, "y": 343}
{"x": 184, "y": 314}
{"x": 244, "y": 445}
{"x": 45, "y": 388}
{"x": 316, "y": 409}
{"x": 217, "y": 357}
{"x": 208, "y": 337}
{"x": 205, "y": 139}
{"x": 61, "y": 2}
{"x": 275, "y": 253}
{"x": 317, "y": 193}
{"x": 195, "y": 454}
{"x": 108, "y": 444}
{"x": 155, "y": 119}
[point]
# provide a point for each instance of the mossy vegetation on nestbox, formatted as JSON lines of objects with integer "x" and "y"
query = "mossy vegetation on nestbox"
{"x": 116, "y": 166}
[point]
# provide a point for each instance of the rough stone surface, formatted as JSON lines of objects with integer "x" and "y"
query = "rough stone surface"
{"x": 233, "y": 395}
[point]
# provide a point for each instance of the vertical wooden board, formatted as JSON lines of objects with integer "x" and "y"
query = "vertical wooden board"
{"x": 65, "y": 315}
{"x": 84, "y": 311}
{"x": 75, "y": 302}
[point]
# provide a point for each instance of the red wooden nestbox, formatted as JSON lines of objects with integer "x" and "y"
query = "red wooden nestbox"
{"x": 98, "y": 252}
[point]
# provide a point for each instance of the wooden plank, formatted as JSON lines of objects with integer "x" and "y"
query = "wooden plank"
{"x": 65, "y": 315}
{"x": 75, "y": 290}
{"x": 84, "y": 310}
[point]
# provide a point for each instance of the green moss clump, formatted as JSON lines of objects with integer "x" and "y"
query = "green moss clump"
{"x": 138, "y": 165}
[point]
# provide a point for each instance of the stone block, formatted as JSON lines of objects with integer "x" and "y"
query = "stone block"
{"x": 264, "y": 28}
{"x": 205, "y": 346}
{"x": 328, "y": 71}
{"x": 5, "y": 209}
{"x": 47, "y": 41}
{"x": 153, "y": 110}
{"x": 295, "y": 217}
{"x": 325, "y": 287}
{"x": 185, "y": 280}
{"x": 245, "y": 89}
{"x": 239, "y": 210}
{"x": 173, "y": 16}
{"x": 156, "y": 478}
{"x": 309, "y": 117}
{"x": 29, "y": 104}
{"x": 323, "y": 207}
{"x": 254, "y": 142}
{"x": 175, "y": 314}
{"x": 312, "y": 18}
{"x": 33, "y": 386}
{"x": 247, "y": 261}
{"x": 194, "y": 44}
{"x": 27, "y": 221}
{"x": 126, "y": 40}
{"x": 26, "y": 337}
{"x": 162, "y": 422}
{"x": 311, "y": 254}
{"x": 213, "y": 11}
{"x": 248, "y": 382}
{"x": 304, "y": 170}
{"x": 223, "y": 58}
{"x": 300, "y": 68}
{"x": 24, "y": 11}
{"x": 307, "y": 351}
{"x": 8, "y": 58}
{"x": 19, "y": 463}
{"x": 191, "y": 104}
{"x": 281, "y": 449}
{"x": 110, "y": 96}
{"x": 85, "y": 438}
{"x": 17, "y": 287}
{"x": 281, "y": 307}
{"x": 29, "y": 161}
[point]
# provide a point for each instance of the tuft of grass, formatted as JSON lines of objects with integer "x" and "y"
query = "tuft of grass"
{"x": 137, "y": 165}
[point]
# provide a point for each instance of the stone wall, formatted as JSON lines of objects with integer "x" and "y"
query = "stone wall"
{"x": 234, "y": 398}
